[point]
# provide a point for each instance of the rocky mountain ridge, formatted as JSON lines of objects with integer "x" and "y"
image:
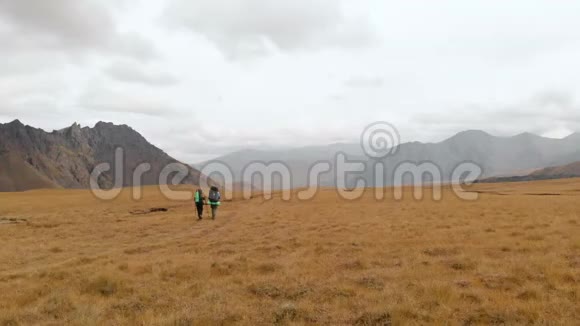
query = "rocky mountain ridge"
{"x": 31, "y": 158}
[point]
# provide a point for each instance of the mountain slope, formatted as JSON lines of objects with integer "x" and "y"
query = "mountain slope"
{"x": 555, "y": 172}
{"x": 32, "y": 158}
{"x": 18, "y": 175}
{"x": 495, "y": 155}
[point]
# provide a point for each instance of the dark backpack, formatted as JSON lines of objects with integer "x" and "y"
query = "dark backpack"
{"x": 214, "y": 195}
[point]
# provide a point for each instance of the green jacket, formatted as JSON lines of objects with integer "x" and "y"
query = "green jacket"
{"x": 199, "y": 197}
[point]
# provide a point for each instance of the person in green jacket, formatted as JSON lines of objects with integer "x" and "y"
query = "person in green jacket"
{"x": 214, "y": 201}
{"x": 199, "y": 202}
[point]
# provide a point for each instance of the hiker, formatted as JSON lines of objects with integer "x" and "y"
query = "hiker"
{"x": 214, "y": 200}
{"x": 199, "y": 202}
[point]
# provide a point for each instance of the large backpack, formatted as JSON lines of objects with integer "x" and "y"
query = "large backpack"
{"x": 214, "y": 195}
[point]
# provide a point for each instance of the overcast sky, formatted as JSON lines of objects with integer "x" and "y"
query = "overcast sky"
{"x": 201, "y": 78}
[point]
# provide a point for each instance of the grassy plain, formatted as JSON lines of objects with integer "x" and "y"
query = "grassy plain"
{"x": 510, "y": 257}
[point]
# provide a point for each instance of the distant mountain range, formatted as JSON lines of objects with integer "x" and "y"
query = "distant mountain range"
{"x": 555, "y": 172}
{"x": 298, "y": 161}
{"x": 495, "y": 155}
{"x": 31, "y": 158}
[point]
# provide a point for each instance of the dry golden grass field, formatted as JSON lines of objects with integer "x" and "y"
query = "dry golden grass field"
{"x": 511, "y": 257}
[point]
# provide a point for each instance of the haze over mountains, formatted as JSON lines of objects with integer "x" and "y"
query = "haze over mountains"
{"x": 495, "y": 155}
{"x": 31, "y": 158}
{"x": 298, "y": 161}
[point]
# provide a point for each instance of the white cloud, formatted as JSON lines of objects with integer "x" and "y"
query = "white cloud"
{"x": 241, "y": 28}
{"x": 100, "y": 99}
{"x": 132, "y": 73}
{"x": 545, "y": 113}
{"x": 66, "y": 25}
{"x": 365, "y": 82}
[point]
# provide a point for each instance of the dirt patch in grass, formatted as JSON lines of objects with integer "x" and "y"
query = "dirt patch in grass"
{"x": 149, "y": 211}
{"x": 105, "y": 286}
{"x": 501, "y": 282}
{"x": 355, "y": 265}
{"x": 373, "y": 319}
{"x": 272, "y": 291}
{"x": 265, "y": 290}
{"x": 461, "y": 264}
{"x": 441, "y": 252}
{"x": 268, "y": 268}
{"x": 141, "y": 250}
{"x": 370, "y": 282}
{"x": 12, "y": 220}
{"x": 528, "y": 295}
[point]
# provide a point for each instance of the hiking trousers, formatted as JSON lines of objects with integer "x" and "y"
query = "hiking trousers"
{"x": 199, "y": 207}
{"x": 214, "y": 209}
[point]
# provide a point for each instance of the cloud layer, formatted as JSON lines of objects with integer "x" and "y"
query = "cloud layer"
{"x": 201, "y": 78}
{"x": 67, "y": 24}
{"x": 241, "y": 28}
{"x": 131, "y": 73}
